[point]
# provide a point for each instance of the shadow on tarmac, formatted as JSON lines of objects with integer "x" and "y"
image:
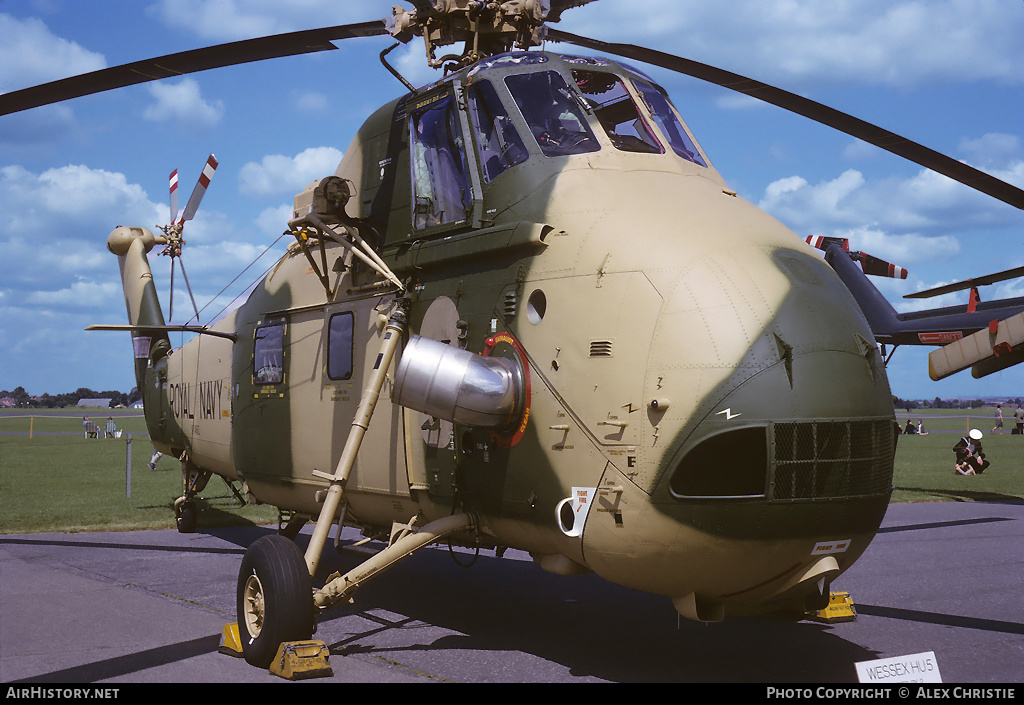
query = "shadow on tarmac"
{"x": 509, "y": 621}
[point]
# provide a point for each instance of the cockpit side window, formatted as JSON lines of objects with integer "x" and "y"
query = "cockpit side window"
{"x": 499, "y": 142}
{"x": 268, "y": 354}
{"x": 617, "y": 112}
{"x": 441, "y": 187}
{"x": 668, "y": 123}
{"x": 555, "y": 117}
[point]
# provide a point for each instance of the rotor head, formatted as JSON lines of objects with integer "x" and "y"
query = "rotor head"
{"x": 487, "y": 27}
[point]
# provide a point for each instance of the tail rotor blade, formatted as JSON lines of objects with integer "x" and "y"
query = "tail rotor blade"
{"x": 823, "y": 242}
{"x": 174, "y": 195}
{"x": 879, "y": 268}
{"x": 197, "y": 194}
{"x": 188, "y": 287}
{"x": 170, "y": 306}
{"x": 870, "y": 264}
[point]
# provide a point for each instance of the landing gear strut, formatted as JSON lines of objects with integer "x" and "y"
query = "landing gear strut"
{"x": 185, "y": 515}
{"x": 276, "y": 600}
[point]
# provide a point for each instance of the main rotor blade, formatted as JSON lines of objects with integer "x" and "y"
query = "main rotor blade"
{"x": 560, "y": 6}
{"x": 247, "y": 50}
{"x": 968, "y": 284}
{"x": 855, "y": 127}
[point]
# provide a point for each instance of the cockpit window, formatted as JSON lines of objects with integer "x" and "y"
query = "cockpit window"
{"x": 499, "y": 142}
{"x": 555, "y": 117}
{"x": 268, "y": 354}
{"x": 441, "y": 186}
{"x": 616, "y": 111}
{"x": 669, "y": 124}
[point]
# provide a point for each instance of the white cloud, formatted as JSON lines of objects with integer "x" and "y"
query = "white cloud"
{"x": 71, "y": 210}
{"x": 892, "y": 42}
{"x": 30, "y": 54}
{"x": 899, "y": 249}
{"x": 23, "y": 130}
{"x": 277, "y": 174}
{"x": 90, "y": 199}
{"x": 225, "y": 20}
{"x": 888, "y": 42}
{"x": 78, "y": 294}
{"x": 311, "y": 102}
{"x": 996, "y": 151}
{"x": 183, "y": 104}
{"x": 52, "y": 243}
{"x": 926, "y": 203}
{"x": 273, "y": 221}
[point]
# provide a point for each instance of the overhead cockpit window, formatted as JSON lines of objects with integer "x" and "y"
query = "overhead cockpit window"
{"x": 441, "y": 187}
{"x": 668, "y": 123}
{"x": 268, "y": 354}
{"x": 616, "y": 111}
{"x": 499, "y": 142}
{"x": 553, "y": 113}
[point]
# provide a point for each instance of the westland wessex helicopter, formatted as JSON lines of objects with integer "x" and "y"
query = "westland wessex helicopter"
{"x": 596, "y": 352}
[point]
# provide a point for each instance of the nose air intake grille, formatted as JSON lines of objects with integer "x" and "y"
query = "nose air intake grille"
{"x": 823, "y": 460}
{"x": 790, "y": 461}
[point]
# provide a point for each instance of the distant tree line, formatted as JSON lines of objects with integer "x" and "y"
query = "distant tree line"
{"x": 21, "y": 398}
{"x": 938, "y": 403}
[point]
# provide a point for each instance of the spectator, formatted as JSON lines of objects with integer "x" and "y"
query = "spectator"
{"x": 970, "y": 456}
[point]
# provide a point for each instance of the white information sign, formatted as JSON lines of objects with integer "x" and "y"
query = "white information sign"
{"x": 913, "y": 668}
{"x": 580, "y": 503}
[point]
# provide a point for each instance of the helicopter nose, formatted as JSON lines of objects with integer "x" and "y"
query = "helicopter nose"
{"x": 801, "y": 363}
{"x": 778, "y": 477}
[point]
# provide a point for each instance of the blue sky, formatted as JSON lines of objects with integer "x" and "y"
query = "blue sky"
{"x": 946, "y": 73}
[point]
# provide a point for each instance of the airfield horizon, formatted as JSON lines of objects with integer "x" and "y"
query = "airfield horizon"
{"x": 58, "y": 480}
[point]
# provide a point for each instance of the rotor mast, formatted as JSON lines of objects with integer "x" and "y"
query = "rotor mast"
{"x": 487, "y": 27}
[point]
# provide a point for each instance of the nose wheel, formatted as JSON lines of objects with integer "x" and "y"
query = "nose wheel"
{"x": 274, "y": 599}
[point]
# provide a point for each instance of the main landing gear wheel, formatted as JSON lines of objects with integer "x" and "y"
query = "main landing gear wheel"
{"x": 274, "y": 598}
{"x": 185, "y": 517}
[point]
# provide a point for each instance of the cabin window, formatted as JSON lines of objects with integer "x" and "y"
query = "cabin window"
{"x": 553, "y": 113}
{"x": 670, "y": 126}
{"x": 339, "y": 346}
{"x": 617, "y": 112}
{"x": 500, "y": 146}
{"x": 268, "y": 354}
{"x": 441, "y": 189}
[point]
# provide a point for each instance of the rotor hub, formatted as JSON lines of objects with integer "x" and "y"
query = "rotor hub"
{"x": 487, "y": 27}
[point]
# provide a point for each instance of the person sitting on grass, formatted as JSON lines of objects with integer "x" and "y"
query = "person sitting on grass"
{"x": 969, "y": 453}
{"x": 963, "y": 468}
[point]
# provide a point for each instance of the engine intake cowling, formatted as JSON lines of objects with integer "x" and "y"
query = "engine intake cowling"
{"x": 458, "y": 386}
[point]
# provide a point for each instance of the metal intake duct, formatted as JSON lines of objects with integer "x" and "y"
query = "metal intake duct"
{"x": 458, "y": 386}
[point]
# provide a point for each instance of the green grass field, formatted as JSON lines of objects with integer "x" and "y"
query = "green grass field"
{"x": 57, "y": 480}
{"x": 924, "y": 464}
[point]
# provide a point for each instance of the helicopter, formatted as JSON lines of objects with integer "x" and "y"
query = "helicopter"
{"x": 713, "y": 424}
{"x": 984, "y": 336}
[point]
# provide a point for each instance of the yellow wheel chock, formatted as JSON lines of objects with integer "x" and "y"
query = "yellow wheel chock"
{"x": 302, "y": 659}
{"x": 230, "y": 643}
{"x": 840, "y": 609}
{"x": 294, "y": 659}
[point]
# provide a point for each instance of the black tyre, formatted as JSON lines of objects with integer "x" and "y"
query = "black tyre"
{"x": 274, "y": 598}
{"x": 185, "y": 518}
